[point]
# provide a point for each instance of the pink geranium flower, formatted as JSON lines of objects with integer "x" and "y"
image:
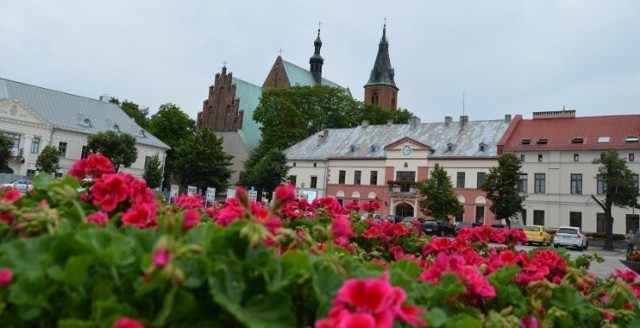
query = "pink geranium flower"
{"x": 125, "y": 322}
{"x": 6, "y": 276}
{"x": 161, "y": 257}
{"x": 341, "y": 227}
{"x": 285, "y": 193}
{"x": 110, "y": 190}
{"x": 99, "y": 218}
{"x": 191, "y": 217}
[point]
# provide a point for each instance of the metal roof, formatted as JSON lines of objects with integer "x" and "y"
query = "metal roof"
{"x": 249, "y": 95}
{"x": 337, "y": 144}
{"x": 299, "y": 76}
{"x": 69, "y": 112}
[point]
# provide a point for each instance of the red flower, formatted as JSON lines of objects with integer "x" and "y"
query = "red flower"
{"x": 285, "y": 193}
{"x": 141, "y": 216}
{"x": 189, "y": 201}
{"x": 94, "y": 166}
{"x": 99, "y": 218}
{"x": 11, "y": 195}
{"x": 190, "y": 218}
{"x": 232, "y": 211}
{"x": 109, "y": 190}
{"x": 6, "y": 275}
{"x": 341, "y": 227}
{"x": 529, "y": 322}
{"x": 125, "y": 322}
{"x": 161, "y": 257}
{"x": 353, "y": 205}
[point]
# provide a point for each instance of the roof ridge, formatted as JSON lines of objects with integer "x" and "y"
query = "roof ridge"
{"x": 56, "y": 91}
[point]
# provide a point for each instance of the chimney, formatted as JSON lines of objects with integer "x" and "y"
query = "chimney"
{"x": 464, "y": 119}
{"x": 414, "y": 121}
{"x": 365, "y": 123}
{"x": 389, "y": 122}
{"x": 507, "y": 118}
{"x": 447, "y": 120}
{"x": 105, "y": 98}
{"x": 322, "y": 136}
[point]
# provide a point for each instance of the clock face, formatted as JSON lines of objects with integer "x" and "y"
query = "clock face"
{"x": 406, "y": 150}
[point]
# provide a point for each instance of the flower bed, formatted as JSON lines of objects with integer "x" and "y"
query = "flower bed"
{"x": 115, "y": 256}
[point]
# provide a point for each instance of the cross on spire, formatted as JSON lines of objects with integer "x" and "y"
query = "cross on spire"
{"x": 280, "y": 52}
{"x": 224, "y": 63}
{"x": 319, "y": 25}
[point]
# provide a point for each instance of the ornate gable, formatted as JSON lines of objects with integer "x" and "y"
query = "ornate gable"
{"x": 277, "y": 77}
{"x": 415, "y": 145}
{"x": 221, "y": 110}
{"x": 15, "y": 112}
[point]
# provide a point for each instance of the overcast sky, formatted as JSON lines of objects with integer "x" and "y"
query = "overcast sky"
{"x": 512, "y": 57}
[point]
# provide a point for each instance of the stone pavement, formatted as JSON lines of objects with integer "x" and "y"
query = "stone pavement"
{"x": 611, "y": 261}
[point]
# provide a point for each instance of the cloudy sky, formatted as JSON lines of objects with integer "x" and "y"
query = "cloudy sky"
{"x": 512, "y": 57}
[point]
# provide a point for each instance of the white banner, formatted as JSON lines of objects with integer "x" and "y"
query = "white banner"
{"x": 211, "y": 194}
{"x": 191, "y": 190}
{"x": 231, "y": 193}
{"x": 174, "y": 191}
{"x": 253, "y": 195}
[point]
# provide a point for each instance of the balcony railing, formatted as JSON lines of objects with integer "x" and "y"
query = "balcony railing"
{"x": 403, "y": 189}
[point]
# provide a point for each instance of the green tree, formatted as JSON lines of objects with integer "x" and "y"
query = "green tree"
{"x": 265, "y": 169}
{"x": 119, "y": 148}
{"x": 377, "y": 115}
{"x": 438, "y": 199}
{"x": 139, "y": 115}
{"x": 502, "y": 185}
{"x": 6, "y": 145}
{"x": 153, "y": 172}
{"x": 621, "y": 189}
{"x": 171, "y": 125}
{"x": 49, "y": 160}
{"x": 202, "y": 161}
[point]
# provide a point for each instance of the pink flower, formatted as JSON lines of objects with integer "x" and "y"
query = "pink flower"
{"x": 161, "y": 257}
{"x": 125, "y": 322}
{"x": 529, "y": 322}
{"x": 11, "y": 195}
{"x": 99, "y": 218}
{"x": 6, "y": 275}
{"x": 94, "y": 166}
{"x": 189, "y": 201}
{"x": 141, "y": 216}
{"x": 341, "y": 227}
{"x": 191, "y": 217}
{"x": 110, "y": 190}
{"x": 285, "y": 193}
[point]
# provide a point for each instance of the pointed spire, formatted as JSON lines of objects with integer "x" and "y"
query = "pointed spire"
{"x": 316, "y": 61}
{"x": 382, "y": 72}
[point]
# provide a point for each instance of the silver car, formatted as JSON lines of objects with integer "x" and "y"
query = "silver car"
{"x": 22, "y": 185}
{"x": 570, "y": 237}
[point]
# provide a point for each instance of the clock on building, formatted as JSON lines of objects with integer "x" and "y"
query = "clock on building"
{"x": 406, "y": 150}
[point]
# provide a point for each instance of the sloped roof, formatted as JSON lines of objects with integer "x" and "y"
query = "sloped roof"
{"x": 68, "y": 112}
{"x": 337, "y": 144}
{"x": 564, "y": 133}
{"x": 302, "y": 77}
{"x": 249, "y": 95}
{"x": 382, "y": 72}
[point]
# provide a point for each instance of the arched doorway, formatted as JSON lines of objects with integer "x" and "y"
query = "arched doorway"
{"x": 404, "y": 210}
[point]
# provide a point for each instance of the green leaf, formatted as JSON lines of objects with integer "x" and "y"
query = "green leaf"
{"x": 326, "y": 283}
{"x": 75, "y": 323}
{"x": 449, "y": 286}
{"x": 464, "y": 320}
{"x": 405, "y": 274}
{"x": 75, "y": 272}
{"x": 292, "y": 265}
{"x": 177, "y": 304}
{"x": 436, "y": 317}
{"x": 270, "y": 310}
{"x": 110, "y": 247}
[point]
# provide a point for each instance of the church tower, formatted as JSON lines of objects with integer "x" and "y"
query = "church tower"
{"x": 316, "y": 60}
{"x": 381, "y": 88}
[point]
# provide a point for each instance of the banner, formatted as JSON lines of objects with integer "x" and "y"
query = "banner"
{"x": 211, "y": 195}
{"x": 231, "y": 193}
{"x": 192, "y": 190}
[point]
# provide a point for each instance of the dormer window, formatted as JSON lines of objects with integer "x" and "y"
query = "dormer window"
{"x": 577, "y": 140}
{"x": 604, "y": 139}
{"x": 451, "y": 147}
{"x": 86, "y": 122}
{"x": 374, "y": 148}
{"x": 141, "y": 133}
{"x": 542, "y": 141}
{"x": 353, "y": 148}
{"x": 483, "y": 146}
{"x": 525, "y": 141}
{"x": 115, "y": 128}
{"x": 632, "y": 139}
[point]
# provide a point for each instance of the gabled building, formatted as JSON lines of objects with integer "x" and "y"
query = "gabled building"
{"x": 556, "y": 149}
{"x": 384, "y": 163}
{"x": 34, "y": 117}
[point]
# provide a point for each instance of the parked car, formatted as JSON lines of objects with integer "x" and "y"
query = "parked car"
{"x": 537, "y": 234}
{"x": 391, "y": 218}
{"x": 465, "y": 224}
{"x": 22, "y": 185}
{"x": 570, "y": 237}
{"x": 438, "y": 228}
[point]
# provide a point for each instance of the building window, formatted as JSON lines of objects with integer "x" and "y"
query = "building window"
{"x": 292, "y": 179}
{"x": 524, "y": 183}
{"x": 601, "y": 186}
{"x": 632, "y": 157}
{"x": 406, "y": 176}
{"x": 314, "y": 183}
{"x": 600, "y": 223}
{"x": 460, "y": 217}
{"x": 342, "y": 176}
{"x": 35, "y": 145}
{"x": 62, "y": 149}
{"x": 374, "y": 178}
{"x": 538, "y": 217}
{"x": 539, "y": 183}
{"x": 576, "y": 183}
{"x": 480, "y": 215}
{"x": 522, "y": 158}
{"x": 524, "y": 216}
{"x": 146, "y": 160}
{"x": 85, "y": 153}
{"x": 576, "y": 158}
{"x": 575, "y": 219}
{"x": 15, "y": 141}
{"x": 634, "y": 181}
{"x": 357, "y": 177}
{"x": 539, "y": 157}
{"x": 481, "y": 176}
{"x": 31, "y": 173}
{"x": 460, "y": 180}
{"x": 294, "y": 164}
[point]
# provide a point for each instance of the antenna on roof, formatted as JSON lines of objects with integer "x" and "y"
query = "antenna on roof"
{"x": 464, "y": 99}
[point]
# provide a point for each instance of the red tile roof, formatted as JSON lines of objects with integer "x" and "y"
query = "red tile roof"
{"x": 560, "y": 132}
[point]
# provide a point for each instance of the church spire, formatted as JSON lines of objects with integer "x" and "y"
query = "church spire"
{"x": 381, "y": 89}
{"x": 316, "y": 61}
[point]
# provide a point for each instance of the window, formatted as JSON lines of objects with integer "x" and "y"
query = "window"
{"x": 342, "y": 176}
{"x": 357, "y": 177}
{"x": 522, "y": 158}
{"x": 575, "y": 219}
{"x": 542, "y": 141}
{"x": 601, "y": 186}
{"x": 374, "y": 178}
{"x": 62, "y": 149}
{"x": 538, "y": 217}
{"x": 146, "y": 160}
{"x": 460, "y": 180}
{"x": 85, "y": 153}
{"x": 632, "y": 139}
{"x": 539, "y": 157}
{"x": 315, "y": 164}
{"x": 460, "y": 217}
{"x": 406, "y": 176}
{"x": 314, "y": 183}
{"x": 31, "y": 173}
{"x": 524, "y": 185}
{"x": 539, "y": 183}
{"x": 632, "y": 157}
{"x": 35, "y": 145}
{"x": 15, "y": 140}
{"x": 600, "y": 223}
{"x": 525, "y": 141}
{"x": 576, "y": 183}
{"x": 480, "y": 214}
{"x": 577, "y": 140}
{"x": 292, "y": 179}
{"x": 604, "y": 139}
{"x": 481, "y": 177}
{"x": 294, "y": 164}
{"x": 524, "y": 216}
{"x": 576, "y": 158}
{"x": 634, "y": 181}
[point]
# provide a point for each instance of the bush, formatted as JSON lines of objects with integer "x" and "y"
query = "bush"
{"x": 602, "y": 235}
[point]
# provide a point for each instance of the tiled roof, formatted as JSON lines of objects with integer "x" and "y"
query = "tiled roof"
{"x": 65, "y": 111}
{"x": 566, "y": 133}
{"x": 302, "y": 77}
{"x": 249, "y": 95}
{"x": 369, "y": 141}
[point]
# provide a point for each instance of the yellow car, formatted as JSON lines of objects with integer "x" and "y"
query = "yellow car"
{"x": 537, "y": 234}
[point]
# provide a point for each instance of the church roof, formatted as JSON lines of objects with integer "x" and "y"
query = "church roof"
{"x": 249, "y": 95}
{"x": 70, "y": 112}
{"x": 446, "y": 140}
{"x": 303, "y": 77}
{"x": 382, "y": 72}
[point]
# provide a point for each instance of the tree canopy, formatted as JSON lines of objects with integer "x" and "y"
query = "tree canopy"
{"x": 120, "y": 148}
{"x": 621, "y": 188}
{"x": 265, "y": 169}
{"x": 6, "y": 145}
{"x": 49, "y": 160}
{"x": 438, "y": 199}
{"x": 502, "y": 187}
{"x": 201, "y": 161}
{"x": 139, "y": 115}
{"x": 153, "y": 172}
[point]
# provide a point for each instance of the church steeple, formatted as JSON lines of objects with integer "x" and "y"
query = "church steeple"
{"x": 316, "y": 60}
{"x": 381, "y": 89}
